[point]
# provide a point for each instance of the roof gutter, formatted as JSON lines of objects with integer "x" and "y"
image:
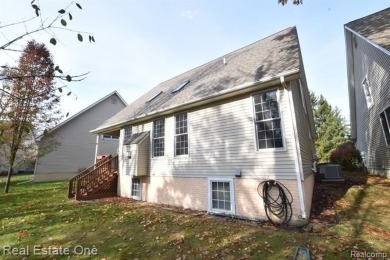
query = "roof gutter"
{"x": 296, "y": 149}
{"x": 242, "y": 89}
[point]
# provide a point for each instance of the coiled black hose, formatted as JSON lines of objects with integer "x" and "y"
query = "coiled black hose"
{"x": 276, "y": 202}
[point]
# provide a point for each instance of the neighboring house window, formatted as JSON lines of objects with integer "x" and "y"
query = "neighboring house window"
{"x": 267, "y": 121}
{"x": 367, "y": 91}
{"x": 302, "y": 97}
{"x": 109, "y": 137}
{"x": 385, "y": 120}
{"x": 128, "y": 133}
{"x": 158, "y": 137}
{"x": 221, "y": 197}
{"x": 181, "y": 134}
{"x": 136, "y": 188}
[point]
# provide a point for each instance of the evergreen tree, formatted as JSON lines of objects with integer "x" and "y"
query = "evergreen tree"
{"x": 330, "y": 127}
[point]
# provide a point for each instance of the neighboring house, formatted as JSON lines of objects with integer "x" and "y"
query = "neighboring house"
{"x": 368, "y": 63}
{"x": 205, "y": 139}
{"x": 25, "y": 157}
{"x": 76, "y": 149}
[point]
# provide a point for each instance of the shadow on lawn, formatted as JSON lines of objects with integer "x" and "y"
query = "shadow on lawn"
{"x": 358, "y": 207}
{"x": 326, "y": 194}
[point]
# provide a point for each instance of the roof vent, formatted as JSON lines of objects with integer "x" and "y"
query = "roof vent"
{"x": 151, "y": 99}
{"x": 224, "y": 61}
{"x": 180, "y": 86}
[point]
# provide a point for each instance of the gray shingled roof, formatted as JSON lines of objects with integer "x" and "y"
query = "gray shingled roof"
{"x": 375, "y": 27}
{"x": 136, "y": 138}
{"x": 269, "y": 57}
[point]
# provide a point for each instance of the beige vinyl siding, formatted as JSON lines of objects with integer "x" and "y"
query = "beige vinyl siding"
{"x": 222, "y": 139}
{"x": 138, "y": 164}
{"x": 375, "y": 64}
{"x": 77, "y": 149}
{"x": 306, "y": 146}
{"x": 129, "y": 163}
{"x": 143, "y": 157}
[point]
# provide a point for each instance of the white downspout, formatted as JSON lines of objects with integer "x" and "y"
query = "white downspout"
{"x": 295, "y": 147}
{"x": 97, "y": 148}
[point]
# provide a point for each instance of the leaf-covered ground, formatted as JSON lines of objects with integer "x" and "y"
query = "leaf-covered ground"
{"x": 41, "y": 216}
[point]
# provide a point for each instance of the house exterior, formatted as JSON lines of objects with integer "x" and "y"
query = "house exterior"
{"x": 75, "y": 147}
{"x": 24, "y": 162}
{"x": 368, "y": 63}
{"x": 205, "y": 139}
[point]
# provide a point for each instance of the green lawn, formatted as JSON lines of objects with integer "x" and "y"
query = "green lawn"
{"x": 41, "y": 216}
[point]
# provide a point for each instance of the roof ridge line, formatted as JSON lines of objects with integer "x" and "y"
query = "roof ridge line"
{"x": 213, "y": 60}
{"x": 361, "y": 18}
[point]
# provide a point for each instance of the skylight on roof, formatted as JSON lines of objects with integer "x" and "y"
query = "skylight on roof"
{"x": 180, "y": 86}
{"x": 154, "y": 97}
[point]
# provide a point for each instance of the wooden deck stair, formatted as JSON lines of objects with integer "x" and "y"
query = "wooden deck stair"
{"x": 97, "y": 181}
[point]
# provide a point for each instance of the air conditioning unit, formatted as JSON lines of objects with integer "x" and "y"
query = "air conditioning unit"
{"x": 331, "y": 172}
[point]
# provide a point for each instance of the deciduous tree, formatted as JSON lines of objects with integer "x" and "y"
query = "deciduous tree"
{"x": 28, "y": 99}
{"x": 33, "y": 102}
{"x": 59, "y": 22}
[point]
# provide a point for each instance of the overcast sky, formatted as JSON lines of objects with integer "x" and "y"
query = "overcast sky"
{"x": 141, "y": 43}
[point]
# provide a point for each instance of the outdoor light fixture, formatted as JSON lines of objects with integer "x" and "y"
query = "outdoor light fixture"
{"x": 129, "y": 154}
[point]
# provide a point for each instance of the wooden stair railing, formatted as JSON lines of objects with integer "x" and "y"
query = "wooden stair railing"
{"x": 99, "y": 182}
{"x": 73, "y": 180}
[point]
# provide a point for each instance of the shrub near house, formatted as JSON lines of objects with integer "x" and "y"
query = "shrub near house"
{"x": 347, "y": 156}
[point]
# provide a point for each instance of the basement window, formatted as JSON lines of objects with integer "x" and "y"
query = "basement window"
{"x": 136, "y": 188}
{"x": 180, "y": 86}
{"x": 385, "y": 120}
{"x": 152, "y": 98}
{"x": 221, "y": 195}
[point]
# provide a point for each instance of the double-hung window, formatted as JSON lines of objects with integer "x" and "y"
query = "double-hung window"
{"x": 127, "y": 134}
{"x": 181, "y": 134}
{"x": 267, "y": 121}
{"x": 158, "y": 137}
{"x": 385, "y": 120}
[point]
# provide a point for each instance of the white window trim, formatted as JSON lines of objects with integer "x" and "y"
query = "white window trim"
{"x": 232, "y": 196}
{"x": 152, "y": 136}
{"x": 367, "y": 96}
{"x": 268, "y": 150}
{"x": 109, "y": 138}
{"x": 124, "y": 133}
{"x": 140, "y": 188}
{"x": 174, "y": 136}
{"x": 388, "y": 125}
